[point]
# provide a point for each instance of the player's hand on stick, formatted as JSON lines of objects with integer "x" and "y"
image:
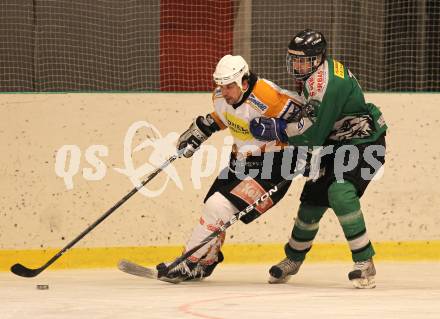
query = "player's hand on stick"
{"x": 194, "y": 136}
{"x": 268, "y": 129}
{"x": 297, "y": 112}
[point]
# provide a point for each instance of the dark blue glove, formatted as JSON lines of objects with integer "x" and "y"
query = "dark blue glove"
{"x": 269, "y": 129}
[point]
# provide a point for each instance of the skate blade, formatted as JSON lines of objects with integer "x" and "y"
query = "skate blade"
{"x": 273, "y": 280}
{"x": 364, "y": 283}
{"x": 176, "y": 280}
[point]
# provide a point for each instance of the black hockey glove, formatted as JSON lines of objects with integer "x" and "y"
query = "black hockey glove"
{"x": 297, "y": 112}
{"x": 198, "y": 132}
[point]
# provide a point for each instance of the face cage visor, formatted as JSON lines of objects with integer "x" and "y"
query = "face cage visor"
{"x": 307, "y": 65}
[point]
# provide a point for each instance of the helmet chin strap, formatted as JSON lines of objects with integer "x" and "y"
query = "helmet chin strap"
{"x": 243, "y": 90}
{"x": 241, "y": 96}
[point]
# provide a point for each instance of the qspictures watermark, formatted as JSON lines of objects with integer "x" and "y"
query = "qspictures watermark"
{"x": 207, "y": 161}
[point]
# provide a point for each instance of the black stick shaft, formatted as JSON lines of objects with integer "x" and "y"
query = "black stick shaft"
{"x": 233, "y": 220}
{"x": 23, "y": 271}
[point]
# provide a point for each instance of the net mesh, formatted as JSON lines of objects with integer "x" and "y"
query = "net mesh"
{"x": 173, "y": 45}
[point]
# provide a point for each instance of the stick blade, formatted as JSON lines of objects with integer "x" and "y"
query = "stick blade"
{"x": 23, "y": 271}
{"x": 132, "y": 268}
{"x": 136, "y": 269}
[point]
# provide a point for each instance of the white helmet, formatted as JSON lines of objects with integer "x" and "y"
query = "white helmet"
{"x": 231, "y": 68}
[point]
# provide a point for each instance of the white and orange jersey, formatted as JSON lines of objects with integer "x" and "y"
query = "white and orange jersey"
{"x": 266, "y": 99}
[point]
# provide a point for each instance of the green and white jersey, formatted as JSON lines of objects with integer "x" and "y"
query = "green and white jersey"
{"x": 337, "y": 108}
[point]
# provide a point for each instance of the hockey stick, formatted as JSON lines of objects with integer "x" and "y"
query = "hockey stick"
{"x": 233, "y": 220}
{"x": 23, "y": 271}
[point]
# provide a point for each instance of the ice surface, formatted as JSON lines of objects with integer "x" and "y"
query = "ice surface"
{"x": 320, "y": 290}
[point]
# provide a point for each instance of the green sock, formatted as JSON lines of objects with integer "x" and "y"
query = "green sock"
{"x": 344, "y": 201}
{"x": 304, "y": 231}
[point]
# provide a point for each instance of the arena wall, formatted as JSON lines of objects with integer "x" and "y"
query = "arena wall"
{"x": 66, "y": 159}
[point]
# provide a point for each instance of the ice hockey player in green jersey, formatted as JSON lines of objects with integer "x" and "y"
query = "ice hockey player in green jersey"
{"x": 351, "y": 137}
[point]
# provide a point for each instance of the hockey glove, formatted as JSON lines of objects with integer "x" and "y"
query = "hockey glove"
{"x": 198, "y": 132}
{"x": 297, "y": 112}
{"x": 269, "y": 129}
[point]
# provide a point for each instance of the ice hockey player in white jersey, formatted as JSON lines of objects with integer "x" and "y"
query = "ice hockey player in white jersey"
{"x": 239, "y": 97}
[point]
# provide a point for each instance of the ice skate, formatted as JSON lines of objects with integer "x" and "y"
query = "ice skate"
{"x": 203, "y": 270}
{"x": 281, "y": 272}
{"x": 362, "y": 275}
{"x": 186, "y": 270}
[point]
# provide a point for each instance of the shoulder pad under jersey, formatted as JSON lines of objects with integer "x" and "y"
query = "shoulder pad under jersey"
{"x": 269, "y": 98}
